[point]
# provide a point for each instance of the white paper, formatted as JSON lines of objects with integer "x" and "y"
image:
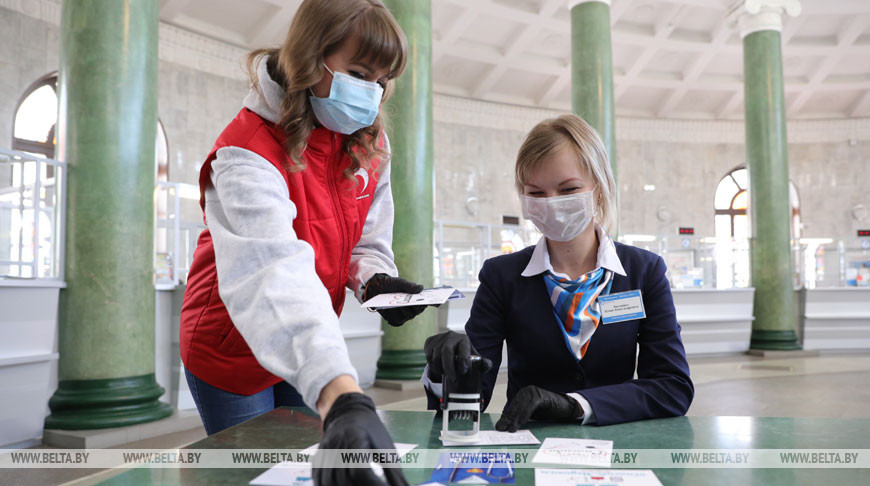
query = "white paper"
{"x": 577, "y": 452}
{"x": 286, "y": 474}
{"x": 572, "y": 477}
{"x": 494, "y": 437}
{"x": 426, "y": 297}
{"x": 299, "y": 473}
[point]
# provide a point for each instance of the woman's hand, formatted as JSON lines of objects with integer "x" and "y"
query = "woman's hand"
{"x": 449, "y": 353}
{"x": 381, "y": 283}
{"x": 533, "y": 402}
{"x": 352, "y": 423}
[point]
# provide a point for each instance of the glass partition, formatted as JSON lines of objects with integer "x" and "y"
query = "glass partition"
{"x": 32, "y": 216}
{"x": 175, "y": 234}
{"x": 462, "y": 247}
{"x": 827, "y": 262}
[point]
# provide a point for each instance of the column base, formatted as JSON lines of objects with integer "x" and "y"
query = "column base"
{"x": 401, "y": 365}
{"x": 100, "y": 404}
{"x": 774, "y": 340}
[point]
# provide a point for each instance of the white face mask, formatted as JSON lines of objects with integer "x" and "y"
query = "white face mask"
{"x": 560, "y": 218}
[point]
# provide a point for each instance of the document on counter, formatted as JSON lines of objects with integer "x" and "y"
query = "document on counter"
{"x": 436, "y": 296}
{"x": 576, "y": 452}
{"x": 299, "y": 473}
{"x": 494, "y": 437}
{"x": 591, "y": 477}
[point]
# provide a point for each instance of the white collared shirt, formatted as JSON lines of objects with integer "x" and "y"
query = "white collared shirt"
{"x": 607, "y": 259}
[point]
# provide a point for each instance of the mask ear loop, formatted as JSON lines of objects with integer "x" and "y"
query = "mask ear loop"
{"x": 330, "y": 71}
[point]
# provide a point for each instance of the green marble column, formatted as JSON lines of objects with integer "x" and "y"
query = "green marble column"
{"x": 767, "y": 161}
{"x": 410, "y": 111}
{"x": 592, "y": 70}
{"x": 107, "y": 86}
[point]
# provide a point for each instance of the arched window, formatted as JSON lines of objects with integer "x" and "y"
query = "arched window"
{"x": 33, "y": 131}
{"x": 36, "y": 121}
{"x": 36, "y": 118}
{"x": 732, "y": 206}
{"x": 732, "y": 227}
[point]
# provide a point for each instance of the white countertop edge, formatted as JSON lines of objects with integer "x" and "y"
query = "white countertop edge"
{"x": 28, "y": 359}
{"x": 362, "y": 334}
{"x": 839, "y": 289}
{"x": 33, "y": 283}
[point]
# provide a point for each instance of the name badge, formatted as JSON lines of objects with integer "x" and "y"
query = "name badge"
{"x": 624, "y": 306}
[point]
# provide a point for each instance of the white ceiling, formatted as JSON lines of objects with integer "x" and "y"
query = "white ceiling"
{"x": 672, "y": 58}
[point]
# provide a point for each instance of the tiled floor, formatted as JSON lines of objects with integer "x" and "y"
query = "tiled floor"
{"x": 829, "y": 385}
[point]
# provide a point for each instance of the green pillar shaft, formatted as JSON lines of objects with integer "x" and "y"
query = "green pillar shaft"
{"x": 767, "y": 161}
{"x": 410, "y": 111}
{"x": 108, "y": 117}
{"x": 592, "y": 71}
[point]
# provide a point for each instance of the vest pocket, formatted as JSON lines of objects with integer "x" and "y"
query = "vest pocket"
{"x": 233, "y": 344}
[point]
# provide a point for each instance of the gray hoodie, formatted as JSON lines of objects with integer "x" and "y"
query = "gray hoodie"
{"x": 266, "y": 275}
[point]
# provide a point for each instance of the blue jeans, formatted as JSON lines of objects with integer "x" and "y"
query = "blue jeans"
{"x": 221, "y": 409}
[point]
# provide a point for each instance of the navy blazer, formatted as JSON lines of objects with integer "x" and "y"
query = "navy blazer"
{"x": 510, "y": 307}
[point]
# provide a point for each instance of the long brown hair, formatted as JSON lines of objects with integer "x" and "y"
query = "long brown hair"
{"x": 319, "y": 29}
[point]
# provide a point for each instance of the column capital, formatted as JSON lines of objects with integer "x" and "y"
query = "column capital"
{"x": 755, "y": 15}
{"x": 574, "y": 3}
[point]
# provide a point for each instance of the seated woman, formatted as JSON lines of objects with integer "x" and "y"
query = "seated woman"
{"x": 566, "y": 360}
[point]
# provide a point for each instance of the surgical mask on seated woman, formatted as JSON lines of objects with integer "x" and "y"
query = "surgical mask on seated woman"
{"x": 560, "y": 218}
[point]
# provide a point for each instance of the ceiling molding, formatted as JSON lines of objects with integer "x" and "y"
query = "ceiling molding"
{"x": 175, "y": 44}
{"x": 856, "y": 27}
{"x": 45, "y": 10}
{"x": 666, "y": 53}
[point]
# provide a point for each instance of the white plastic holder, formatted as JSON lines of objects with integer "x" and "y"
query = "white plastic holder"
{"x": 470, "y": 403}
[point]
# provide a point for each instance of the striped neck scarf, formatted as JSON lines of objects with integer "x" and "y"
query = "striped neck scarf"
{"x": 576, "y": 307}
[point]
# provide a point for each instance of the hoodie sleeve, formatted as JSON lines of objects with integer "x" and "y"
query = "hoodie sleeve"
{"x": 374, "y": 251}
{"x": 266, "y": 275}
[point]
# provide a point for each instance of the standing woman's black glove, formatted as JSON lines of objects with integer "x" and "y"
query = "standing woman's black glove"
{"x": 537, "y": 403}
{"x": 353, "y": 424}
{"x": 449, "y": 353}
{"x": 381, "y": 283}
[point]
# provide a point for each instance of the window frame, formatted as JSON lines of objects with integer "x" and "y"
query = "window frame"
{"x": 48, "y": 149}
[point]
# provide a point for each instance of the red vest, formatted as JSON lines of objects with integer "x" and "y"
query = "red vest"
{"x": 330, "y": 213}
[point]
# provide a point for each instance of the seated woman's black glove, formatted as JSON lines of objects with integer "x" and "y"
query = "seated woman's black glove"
{"x": 381, "y": 283}
{"x": 537, "y": 403}
{"x": 353, "y": 424}
{"x": 449, "y": 353}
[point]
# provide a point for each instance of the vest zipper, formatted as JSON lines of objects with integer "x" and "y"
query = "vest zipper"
{"x": 336, "y": 207}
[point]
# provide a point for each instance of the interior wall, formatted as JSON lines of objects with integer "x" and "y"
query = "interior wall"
{"x": 202, "y": 85}
{"x": 829, "y": 162}
{"x": 195, "y": 100}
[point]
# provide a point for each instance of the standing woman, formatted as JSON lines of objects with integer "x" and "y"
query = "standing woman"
{"x": 296, "y": 197}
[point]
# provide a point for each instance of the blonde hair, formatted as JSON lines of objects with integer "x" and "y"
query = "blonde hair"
{"x": 550, "y": 136}
{"x": 320, "y": 28}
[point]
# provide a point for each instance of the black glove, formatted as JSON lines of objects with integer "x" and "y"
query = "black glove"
{"x": 353, "y": 424}
{"x": 382, "y": 283}
{"x": 449, "y": 353}
{"x": 537, "y": 403}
